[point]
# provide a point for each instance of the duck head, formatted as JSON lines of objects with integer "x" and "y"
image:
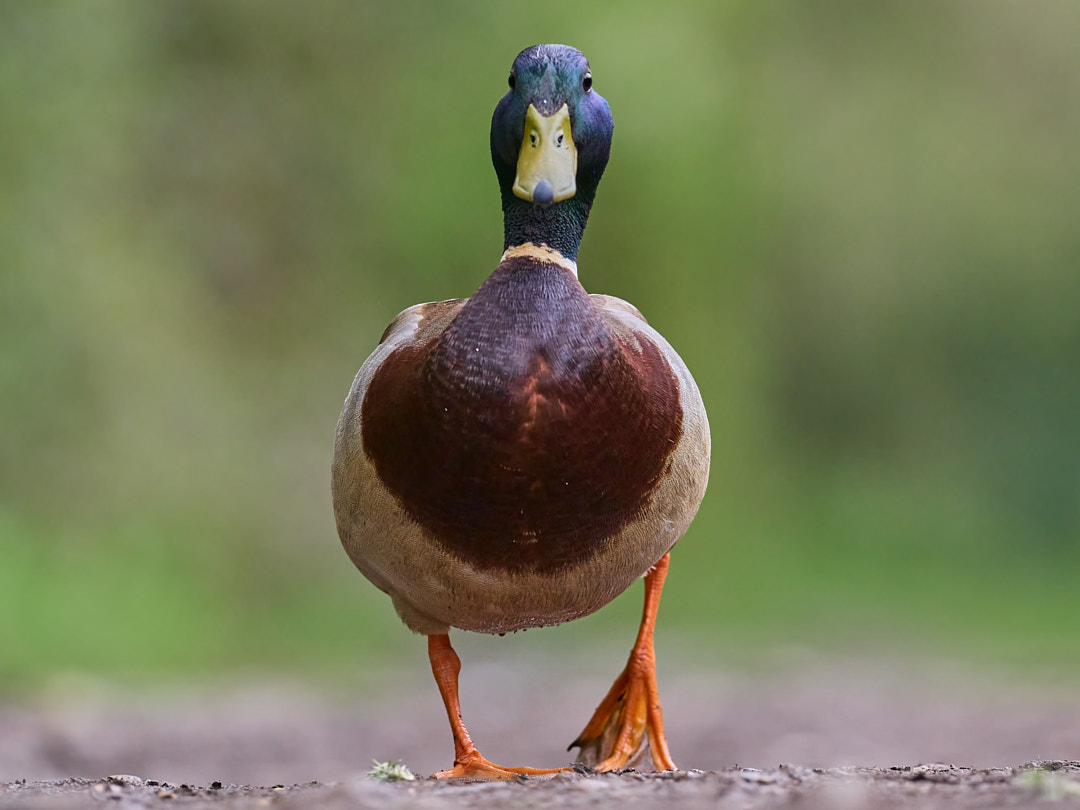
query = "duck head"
{"x": 550, "y": 141}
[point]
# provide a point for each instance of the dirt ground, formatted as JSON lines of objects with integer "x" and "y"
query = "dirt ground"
{"x": 801, "y": 730}
{"x": 1047, "y": 784}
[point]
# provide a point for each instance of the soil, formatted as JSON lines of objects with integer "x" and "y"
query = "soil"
{"x": 1047, "y": 784}
{"x": 799, "y": 731}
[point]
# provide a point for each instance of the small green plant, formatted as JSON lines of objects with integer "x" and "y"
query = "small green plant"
{"x": 1048, "y": 785}
{"x": 391, "y": 772}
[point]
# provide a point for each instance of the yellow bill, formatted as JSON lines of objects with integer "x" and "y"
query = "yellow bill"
{"x": 547, "y": 163}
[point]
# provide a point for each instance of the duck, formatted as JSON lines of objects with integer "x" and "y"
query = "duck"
{"x": 519, "y": 458}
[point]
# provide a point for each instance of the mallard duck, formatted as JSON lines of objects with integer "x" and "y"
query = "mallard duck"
{"x": 519, "y": 458}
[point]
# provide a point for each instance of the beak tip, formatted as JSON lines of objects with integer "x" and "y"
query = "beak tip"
{"x": 543, "y": 194}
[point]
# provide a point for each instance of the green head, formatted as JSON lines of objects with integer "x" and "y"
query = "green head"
{"x": 550, "y": 141}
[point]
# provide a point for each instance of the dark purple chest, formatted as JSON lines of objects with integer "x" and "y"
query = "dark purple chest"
{"x": 526, "y": 435}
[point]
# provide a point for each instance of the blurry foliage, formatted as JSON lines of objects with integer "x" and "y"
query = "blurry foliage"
{"x": 857, "y": 223}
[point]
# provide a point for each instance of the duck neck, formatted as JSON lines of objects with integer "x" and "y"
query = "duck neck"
{"x": 539, "y": 253}
{"x": 559, "y": 226}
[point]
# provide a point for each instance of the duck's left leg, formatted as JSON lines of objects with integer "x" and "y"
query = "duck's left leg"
{"x": 468, "y": 762}
{"x": 630, "y": 714}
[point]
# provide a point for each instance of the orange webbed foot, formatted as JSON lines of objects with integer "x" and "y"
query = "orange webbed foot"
{"x": 629, "y": 716}
{"x": 624, "y": 722}
{"x": 474, "y": 766}
{"x": 468, "y": 764}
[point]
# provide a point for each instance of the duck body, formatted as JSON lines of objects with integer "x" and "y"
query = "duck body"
{"x": 519, "y": 458}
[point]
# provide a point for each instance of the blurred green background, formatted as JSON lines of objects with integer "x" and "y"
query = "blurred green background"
{"x": 857, "y": 222}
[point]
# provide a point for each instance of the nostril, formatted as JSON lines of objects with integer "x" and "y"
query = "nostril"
{"x": 533, "y": 138}
{"x": 559, "y": 140}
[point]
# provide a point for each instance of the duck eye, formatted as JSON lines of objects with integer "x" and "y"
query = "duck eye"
{"x": 586, "y": 82}
{"x": 512, "y": 81}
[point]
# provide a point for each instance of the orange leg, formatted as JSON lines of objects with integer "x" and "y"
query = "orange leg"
{"x": 630, "y": 714}
{"x": 468, "y": 763}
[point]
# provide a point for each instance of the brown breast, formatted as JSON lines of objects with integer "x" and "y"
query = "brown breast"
{"x": 526, "y": 435}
